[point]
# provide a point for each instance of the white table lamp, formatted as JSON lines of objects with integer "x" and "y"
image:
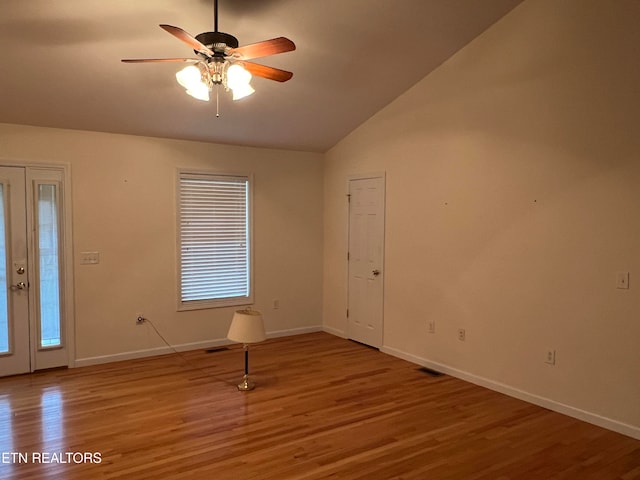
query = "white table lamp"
{"x": 246, "y": 327}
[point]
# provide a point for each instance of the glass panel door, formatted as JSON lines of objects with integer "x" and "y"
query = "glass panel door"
{"x": 4, "y": 311}
{"x": 34, "y": 287}
{"x": 48, "y": 314}
{"x": 49, "y": 266}
{"x": 15, "y": 353}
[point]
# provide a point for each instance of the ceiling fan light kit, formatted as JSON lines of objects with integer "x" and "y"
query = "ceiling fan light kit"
{"x": 222, "y": 62}
{"x": 200, "y": 78}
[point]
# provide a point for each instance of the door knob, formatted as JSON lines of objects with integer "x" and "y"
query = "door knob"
{"x": 376, "y": 272}
{"x": 19, "y": 286}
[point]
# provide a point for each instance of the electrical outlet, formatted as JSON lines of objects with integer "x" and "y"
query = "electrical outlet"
{"x": 550, "y": 357}
{"x": 431, "y": 326}
{"x": 462, "y": 334}
{"x": 140, "y": 319}
{"x": 622, "y": 280}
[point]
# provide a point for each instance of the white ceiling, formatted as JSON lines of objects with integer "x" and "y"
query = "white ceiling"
{"x": 60, "y": 64}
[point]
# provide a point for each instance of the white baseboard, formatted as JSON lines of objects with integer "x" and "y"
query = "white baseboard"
{"x": 334, "y": 331}
{"x": 595, "y": 419}
{"x": 164, "y": 350}
{"x": 149, "y": 352}
{"x": 294, "y": 331}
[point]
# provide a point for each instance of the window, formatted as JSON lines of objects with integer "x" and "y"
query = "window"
{"x": 48, "y": 268}
{"x": 214, "y": 240}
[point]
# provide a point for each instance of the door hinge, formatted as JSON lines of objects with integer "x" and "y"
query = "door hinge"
{"x": 347, "y": 313}
{"x": 348, "y": 256}
{"x": 349, "y": 197}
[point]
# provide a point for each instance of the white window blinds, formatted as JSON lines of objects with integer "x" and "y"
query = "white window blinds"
{"x": 214, "y": 239}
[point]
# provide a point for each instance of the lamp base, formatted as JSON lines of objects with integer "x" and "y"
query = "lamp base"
{"x": 246, "y": 384}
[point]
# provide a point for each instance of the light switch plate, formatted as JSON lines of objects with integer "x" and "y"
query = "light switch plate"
{"x": 89, "y": 258}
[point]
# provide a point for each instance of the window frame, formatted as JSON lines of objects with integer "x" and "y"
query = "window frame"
{"x": 219, "y": 302}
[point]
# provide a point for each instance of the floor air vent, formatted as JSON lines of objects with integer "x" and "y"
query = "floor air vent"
{"x": 216, "y": 349}
{"x": 433, "y": 373}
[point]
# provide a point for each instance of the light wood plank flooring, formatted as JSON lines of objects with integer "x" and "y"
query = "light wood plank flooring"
{"x": 324, "y": 408}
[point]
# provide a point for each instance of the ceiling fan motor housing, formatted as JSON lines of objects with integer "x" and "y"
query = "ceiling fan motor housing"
{"x": 217, "y": 41}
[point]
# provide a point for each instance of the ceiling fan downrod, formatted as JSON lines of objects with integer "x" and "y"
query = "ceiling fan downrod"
{"x": 215, "y": 15}
{"x": 217, "y": 41}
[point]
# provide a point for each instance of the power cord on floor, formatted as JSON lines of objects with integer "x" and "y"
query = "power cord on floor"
{"x": 193, "y": 366}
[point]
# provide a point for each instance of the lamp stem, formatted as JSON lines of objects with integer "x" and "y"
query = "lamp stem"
{"x": 246, "y": 359}
{"x": 246, "y": 383}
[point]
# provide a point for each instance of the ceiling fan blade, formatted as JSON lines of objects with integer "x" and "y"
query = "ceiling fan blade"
{"x": 148, "y": 60}
{"x": 180, "y": 34}
{"x": 262, "y": 49}
{"x": 270, "y": 73}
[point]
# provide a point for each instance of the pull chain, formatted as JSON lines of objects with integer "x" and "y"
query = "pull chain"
{"x": 217, "y": 103}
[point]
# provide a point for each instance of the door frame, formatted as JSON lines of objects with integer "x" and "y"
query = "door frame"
{"x": 365, "y": 176}
{"x": 66, "y": 236}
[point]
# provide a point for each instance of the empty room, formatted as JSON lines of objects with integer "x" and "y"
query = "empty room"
{"x": 357, "y": 239}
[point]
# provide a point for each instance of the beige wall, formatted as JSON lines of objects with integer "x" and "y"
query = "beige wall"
{"x": 124, "y": 207}
{"x": 513, "y": 199}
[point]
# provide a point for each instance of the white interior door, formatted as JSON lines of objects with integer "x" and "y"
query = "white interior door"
{"x": 32, "y": 314}
{"x": 366, "y": 255}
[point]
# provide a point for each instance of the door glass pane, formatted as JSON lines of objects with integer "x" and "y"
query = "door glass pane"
{"x": 48, "y": 265}
{"x": 4, "y": 313}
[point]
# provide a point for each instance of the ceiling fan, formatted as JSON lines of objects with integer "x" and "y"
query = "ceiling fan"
{"x": 221, "y": 61}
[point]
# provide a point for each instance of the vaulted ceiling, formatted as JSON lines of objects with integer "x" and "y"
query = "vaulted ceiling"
{"x": 60, "y": 64}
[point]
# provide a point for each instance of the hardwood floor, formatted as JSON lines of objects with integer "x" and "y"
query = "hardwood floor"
{"x": 323, "y": 407}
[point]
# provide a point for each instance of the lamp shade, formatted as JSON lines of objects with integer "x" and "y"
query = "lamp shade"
{"x": 247, "y": 327}
{"x": 242, "y": 91}
{"x": 238, "y": 80}
{"x": 192, "y": 78}
{"x": 199, "y": 91}
{"x": 237, "y": 76}
{"x": 189, "y": 76}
